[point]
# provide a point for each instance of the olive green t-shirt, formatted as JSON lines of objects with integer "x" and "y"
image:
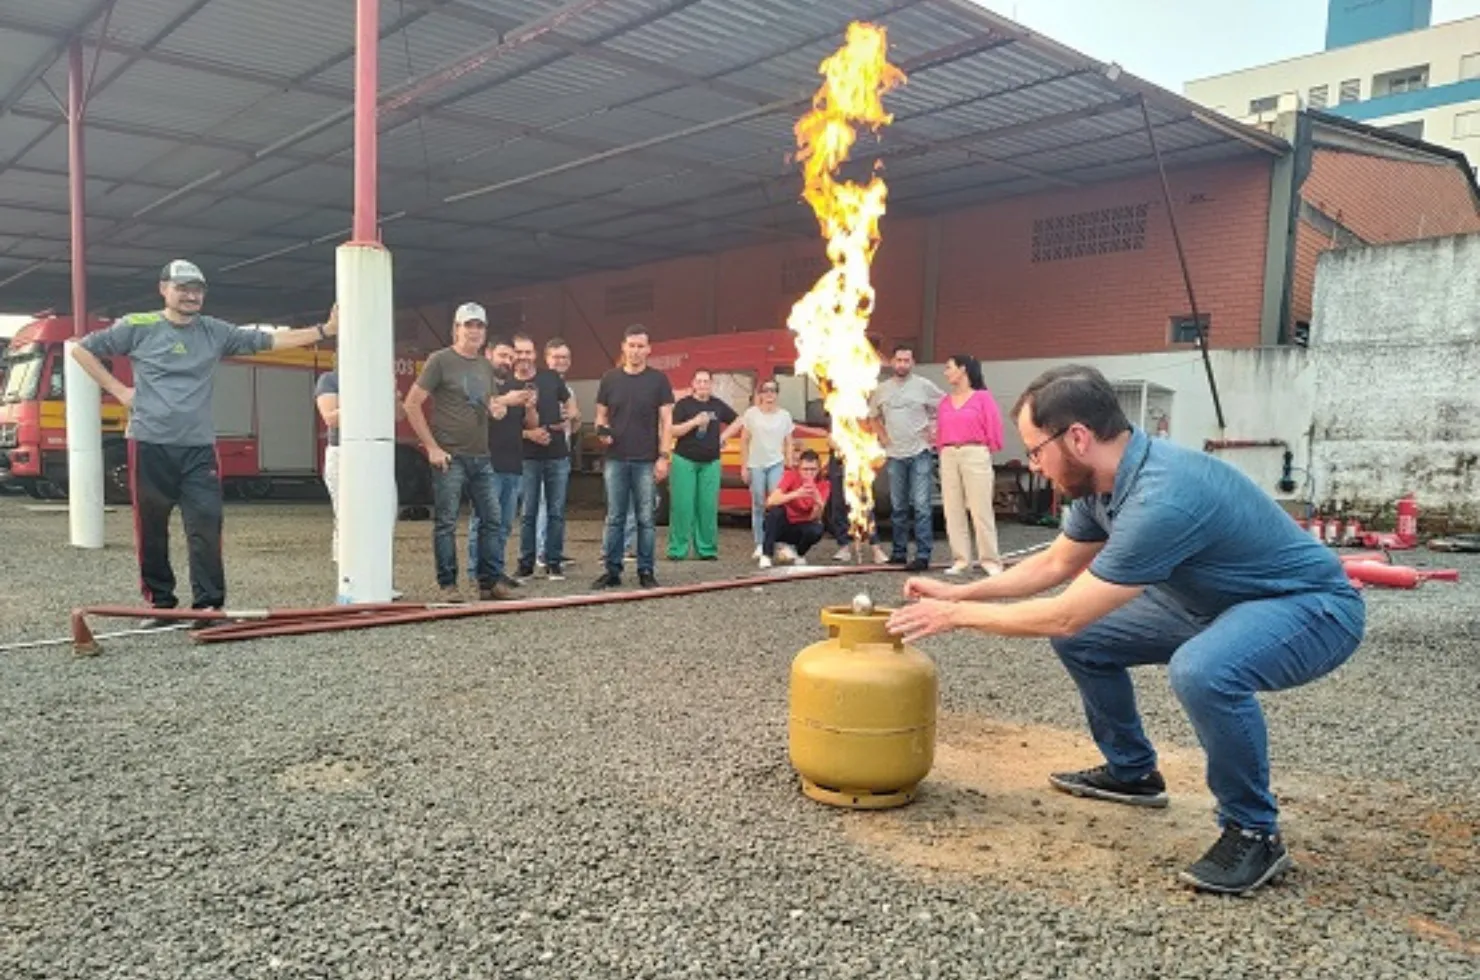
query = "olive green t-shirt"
{"x": 460, "y": 388}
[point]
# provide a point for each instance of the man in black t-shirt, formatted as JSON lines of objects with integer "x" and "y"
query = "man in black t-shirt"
{"x": 693, "y": 492}
{"x": 634, "y": 413}
{"x": 546, "y": 471}
{"x": 505, "y": 450}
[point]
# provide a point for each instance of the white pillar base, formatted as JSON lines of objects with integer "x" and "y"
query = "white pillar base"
{"x": 368, "y": 501}
{"x": 84, "y": 453}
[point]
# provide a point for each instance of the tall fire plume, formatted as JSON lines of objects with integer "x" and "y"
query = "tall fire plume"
{"x": 831, "y": 321}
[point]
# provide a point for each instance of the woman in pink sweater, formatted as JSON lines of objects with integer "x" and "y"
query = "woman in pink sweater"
{"x": 969, "y": 430}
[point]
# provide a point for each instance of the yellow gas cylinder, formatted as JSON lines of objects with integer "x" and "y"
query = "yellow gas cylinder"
{"x": 862, "y": 728}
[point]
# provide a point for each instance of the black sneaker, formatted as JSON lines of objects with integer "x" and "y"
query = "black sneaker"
{"x": 1241, "y": 861}
{"x": 1149, "y": 790}
{"x": 509, "y": 583}
{"x": 524, "y": 571}
{"x": 898, "y": 559}
{"x": 647, "y": 580}
{"x": 556, "y": 573}
{"x": 918, "y": 565}
{"x": 159, "y": 623}
{"x": 607, "y": 581}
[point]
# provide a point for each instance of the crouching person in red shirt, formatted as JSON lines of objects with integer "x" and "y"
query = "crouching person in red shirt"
{"x": 794, "y": 512}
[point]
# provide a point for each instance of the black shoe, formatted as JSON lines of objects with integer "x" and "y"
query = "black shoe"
{"x": 898, "y": 559}
{"x": 160, "y": 623}
{"x": 647, "y": 580}
{"x": 509, "y": 583}
{"x": 1240, "y": 861}
{"x": 918, "y": 565}
{"x": 555, "y": 573}
{"x": 607, "y": 581}
{"x": 524, "y": 571}
{"x": 1149, "y": 790}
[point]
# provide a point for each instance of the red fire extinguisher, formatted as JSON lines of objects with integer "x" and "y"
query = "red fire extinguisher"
{"x": 1408, "y": 520}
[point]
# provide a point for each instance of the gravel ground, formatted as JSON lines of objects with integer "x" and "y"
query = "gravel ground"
{"x": 605, "y": 793}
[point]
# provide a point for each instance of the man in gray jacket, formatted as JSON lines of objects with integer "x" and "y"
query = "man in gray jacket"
{"x": 171, "y": 434}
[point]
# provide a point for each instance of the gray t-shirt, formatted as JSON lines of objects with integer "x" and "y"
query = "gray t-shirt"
{"x": 460, "y": 388}
{"x": 174, "y": 372}
{"x": 907, "y": 407}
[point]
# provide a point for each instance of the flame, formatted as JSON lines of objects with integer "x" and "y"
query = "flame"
{"x": 831, "y": 321}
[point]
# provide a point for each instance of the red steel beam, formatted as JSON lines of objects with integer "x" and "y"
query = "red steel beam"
{"x": 366, "y": 225}
{"x": 77, "y": 185}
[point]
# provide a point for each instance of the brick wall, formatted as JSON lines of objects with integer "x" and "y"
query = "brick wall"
{"x": 997, "y": 303}
{"x": 993, "y": 300}
{"x": 1384, "y": 200}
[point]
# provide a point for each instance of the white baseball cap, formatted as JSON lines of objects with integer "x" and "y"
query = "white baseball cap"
{"x": 180, "y": 272}
{"x": 471, "y": 311}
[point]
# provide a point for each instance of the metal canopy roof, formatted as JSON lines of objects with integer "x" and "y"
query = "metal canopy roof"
{"x": 521, "y": 140}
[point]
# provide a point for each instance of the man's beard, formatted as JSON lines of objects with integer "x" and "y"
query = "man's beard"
{"x": 501, "y": 373}
{"x": 1078, "y": 480}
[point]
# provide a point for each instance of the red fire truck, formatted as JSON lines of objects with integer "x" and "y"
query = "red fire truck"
{"x": 268, "y": 430}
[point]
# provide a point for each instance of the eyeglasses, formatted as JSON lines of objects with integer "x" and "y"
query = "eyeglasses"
{"x": 1036, "y": 450}
{"x": 771, "y": 389}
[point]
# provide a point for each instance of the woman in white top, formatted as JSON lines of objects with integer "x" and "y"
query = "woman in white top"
{"x": 765, "y": 450}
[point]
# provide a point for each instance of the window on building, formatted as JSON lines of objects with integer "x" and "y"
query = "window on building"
{"x": 1413, "y": 129}
{"x": 1184, "y": 329}
{"x": 1070, "y": 236}
{"x": 1403, "y": 80}
{"x": 1266, "y": 104}
{"x": 629, "y": 298}
{"x": 1319, "y": 94}
{"x": 1467, "y": 125}
{"x": 1469, "y": 66}
{"x": 1350, "y": 91}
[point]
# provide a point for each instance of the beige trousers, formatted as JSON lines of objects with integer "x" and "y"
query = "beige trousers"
{"x": 966, "y": 487}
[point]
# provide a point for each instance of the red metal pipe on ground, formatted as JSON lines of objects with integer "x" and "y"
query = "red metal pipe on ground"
{"x": 1397, "y": 576}
{"x": 366, "y": 225}
{"x": 77, "y": 184}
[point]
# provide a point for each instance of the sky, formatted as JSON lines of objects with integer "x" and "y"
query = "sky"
{"x": 1171, "y": 43}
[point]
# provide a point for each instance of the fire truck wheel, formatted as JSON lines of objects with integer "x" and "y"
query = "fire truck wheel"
{"x": 115, "y": 475}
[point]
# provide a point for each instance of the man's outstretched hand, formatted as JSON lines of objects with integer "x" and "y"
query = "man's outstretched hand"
{"x": 921, "y": 619}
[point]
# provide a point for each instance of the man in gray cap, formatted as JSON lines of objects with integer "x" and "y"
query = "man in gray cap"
{"x": 171, "y": 434}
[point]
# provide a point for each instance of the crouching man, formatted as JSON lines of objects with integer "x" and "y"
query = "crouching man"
{"x": 1173, "y": 557}
{"x": 794, "y": 512}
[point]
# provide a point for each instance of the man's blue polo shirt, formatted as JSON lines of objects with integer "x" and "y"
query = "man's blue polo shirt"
{"x": 1200, "y": 531}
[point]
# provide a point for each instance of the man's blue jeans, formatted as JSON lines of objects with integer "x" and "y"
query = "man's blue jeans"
{"x": 629, "y": 485}
{"x": 475, "y": 473}
{"x": 544, "y": 487}
{"x": 909, "y": 495}
{"x": 506, "y": 488}
{"x": 1215, "y": 668}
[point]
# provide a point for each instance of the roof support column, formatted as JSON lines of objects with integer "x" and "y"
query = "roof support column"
{"x": 84, "y": 399}
{"x": 930, "y": 295}
{"x": 366, "y": 362}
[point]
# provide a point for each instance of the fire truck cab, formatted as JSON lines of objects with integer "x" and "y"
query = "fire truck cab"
{"x": 268, "y": 429}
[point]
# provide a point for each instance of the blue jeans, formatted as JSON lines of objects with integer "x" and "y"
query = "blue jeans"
{"x": 544, "y": 485}
{"x": 909, "y": 493}
{"x": 506, "y": 487}
{"x": 629, "y": 487}
{"x": 1215, "y": 669}
{"x": 763, "y": 480}
{"x": 475, "y": 473}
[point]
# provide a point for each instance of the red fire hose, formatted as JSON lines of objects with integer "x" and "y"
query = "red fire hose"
{"x": 255, "y": 624}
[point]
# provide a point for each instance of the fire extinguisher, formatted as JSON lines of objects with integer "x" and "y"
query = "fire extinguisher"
{"x": 1408, "y": 520}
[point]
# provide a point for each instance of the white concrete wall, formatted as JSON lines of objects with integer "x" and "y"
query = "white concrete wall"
{"x": 1396, "y": 342}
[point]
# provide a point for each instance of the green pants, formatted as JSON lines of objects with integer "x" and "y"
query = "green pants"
{"x": 693, "y": 508}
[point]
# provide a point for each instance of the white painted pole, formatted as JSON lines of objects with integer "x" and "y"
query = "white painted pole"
{"x": 84, "y": 453}
{"x": 367, "y": 423}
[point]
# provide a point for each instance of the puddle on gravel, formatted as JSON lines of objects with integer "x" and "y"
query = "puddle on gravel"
{"x": 987, "y": 812}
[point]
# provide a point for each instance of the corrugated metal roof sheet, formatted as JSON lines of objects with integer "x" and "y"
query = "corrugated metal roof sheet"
{"x": 631, "y": 130}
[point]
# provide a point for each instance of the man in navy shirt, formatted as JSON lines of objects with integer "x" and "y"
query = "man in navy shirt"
{"x": 1173, "y": 557}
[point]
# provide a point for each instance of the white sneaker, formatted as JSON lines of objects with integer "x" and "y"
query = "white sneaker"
{"x": 881, "y": 557}
{"x": 765, "y": 562}
{"x": 959, "y": 568}
{"x": 756, "y": 553}
{"x": 786, "y": 554}
{"x": 992, "y": 568}
{"x": 800, "y": 561}
{"x": 845, "y": 553}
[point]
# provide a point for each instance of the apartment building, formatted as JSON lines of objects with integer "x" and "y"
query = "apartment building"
{"x": 1384, "y": 64}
